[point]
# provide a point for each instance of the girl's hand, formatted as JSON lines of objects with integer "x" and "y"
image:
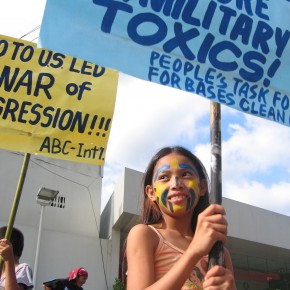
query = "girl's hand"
{"x": 219, "y": 277}
{"x": 211, "y": 227}
{"x": 6, "y": 250}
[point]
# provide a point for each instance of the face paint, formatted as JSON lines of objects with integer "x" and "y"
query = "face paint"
{"x": 193, "y": 191}
{"x": 162, "y": 189}
{"x": 163, "y": 168}
{"x": 174, "y": 163}
{"x": 176, "y": 181}
{"x": 185, "y": 166}
{"x": 161, "y": 192}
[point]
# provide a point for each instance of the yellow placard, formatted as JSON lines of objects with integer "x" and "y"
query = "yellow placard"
{"x": 54, "y": 104}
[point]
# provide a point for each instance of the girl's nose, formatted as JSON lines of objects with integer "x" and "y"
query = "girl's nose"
{"x": 176, "y": 182}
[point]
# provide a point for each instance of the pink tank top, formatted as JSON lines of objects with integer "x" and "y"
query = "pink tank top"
{"x": 166, "y": 256}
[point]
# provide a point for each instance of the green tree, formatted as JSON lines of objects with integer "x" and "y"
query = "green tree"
{"x": 118, "y": 285}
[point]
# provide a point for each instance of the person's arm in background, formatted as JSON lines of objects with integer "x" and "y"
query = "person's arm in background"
{"x": 6, "y": 252}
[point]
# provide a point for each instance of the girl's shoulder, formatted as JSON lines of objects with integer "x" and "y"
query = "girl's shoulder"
{"x": 143, "y": 230}
{"x": 143, "y": 233}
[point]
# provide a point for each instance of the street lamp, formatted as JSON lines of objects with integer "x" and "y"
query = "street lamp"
{"x": 44, "y": 198}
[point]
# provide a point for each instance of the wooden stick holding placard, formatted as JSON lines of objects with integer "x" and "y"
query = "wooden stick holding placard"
{"x": 216, "y": 255}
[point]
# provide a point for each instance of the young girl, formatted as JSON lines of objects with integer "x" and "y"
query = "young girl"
{"x": 169, "y": 250}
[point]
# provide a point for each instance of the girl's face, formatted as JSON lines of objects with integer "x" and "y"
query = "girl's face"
{"x": 175, "y": 186}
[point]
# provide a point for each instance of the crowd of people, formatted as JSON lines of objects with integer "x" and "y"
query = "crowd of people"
{"x": 19, "y": 276}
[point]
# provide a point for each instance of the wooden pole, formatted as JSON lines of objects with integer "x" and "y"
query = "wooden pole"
{"x": 216, "y": 255}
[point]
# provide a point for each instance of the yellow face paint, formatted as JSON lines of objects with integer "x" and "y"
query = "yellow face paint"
{"x": 174, "y": 163}
{"x": 194, "y": 190}
{"x": 161, "y": 192}
{"x": 176, "y": 207}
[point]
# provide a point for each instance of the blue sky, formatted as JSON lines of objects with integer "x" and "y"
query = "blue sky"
{"x": 255, "y": 152}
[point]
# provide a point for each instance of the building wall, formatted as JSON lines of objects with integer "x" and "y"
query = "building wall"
{"x": 256, "y": 224}
{"x": 70, "y": 235}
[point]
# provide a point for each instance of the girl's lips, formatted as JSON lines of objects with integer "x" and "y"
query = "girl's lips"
{"x": 178, "y": 198}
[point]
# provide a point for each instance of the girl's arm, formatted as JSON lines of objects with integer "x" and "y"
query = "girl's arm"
{"x": 142, "y": 242}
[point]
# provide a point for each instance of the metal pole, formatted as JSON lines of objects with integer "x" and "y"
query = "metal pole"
{"x": 216, "y": 255}
{"x": 37, "y": 247}
{"x": 16, "y": 201}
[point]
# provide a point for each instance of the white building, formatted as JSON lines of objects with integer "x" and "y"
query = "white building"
{"x": 259, "y": 240}
{"x": 70, "y": 228}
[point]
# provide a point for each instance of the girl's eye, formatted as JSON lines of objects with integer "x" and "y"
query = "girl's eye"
{"x": 187, "y": 173}
{"x": 163, "y": 177}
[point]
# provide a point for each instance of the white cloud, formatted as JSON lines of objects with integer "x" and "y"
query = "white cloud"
{"x": 149, "y": 116}
{"x": 256, "y": 146}
{"x": 256, "y": 164}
